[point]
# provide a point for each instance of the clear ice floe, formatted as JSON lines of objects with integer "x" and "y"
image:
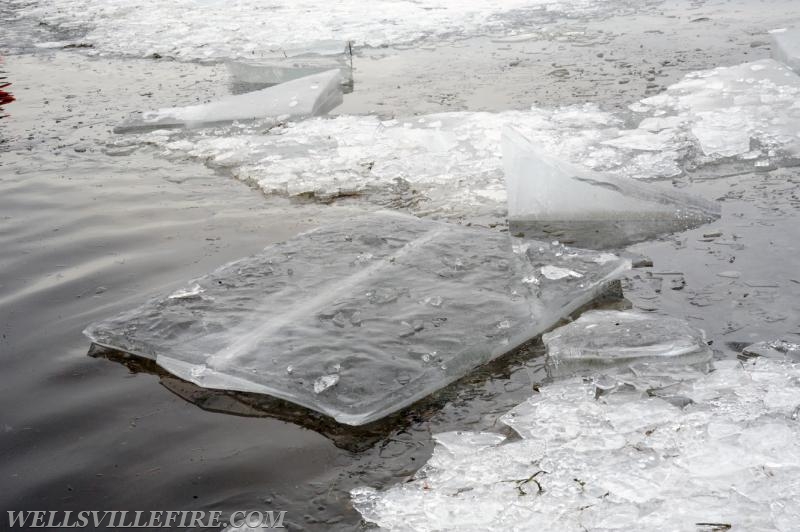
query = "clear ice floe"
{"x": 220, "y": 29}
{"x": 619, "y": 453}
{"x": 542, "y": 188}
{"x": 311, "y": 95}
{"x": 361, "y": 318}
{"x": 605, "y": 338}
{"x": 786, "y": 47}
{"x": 451, "y": 163}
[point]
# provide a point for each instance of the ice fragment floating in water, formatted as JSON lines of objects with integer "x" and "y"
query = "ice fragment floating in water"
{"x": 786, "y": 47}
{"x": 308, "y": 96}
{"x": 541, "y": 188}
{"x": 605, "y": 338}
{"x": 615, "y": 453}
{"x": 309, "y": 321}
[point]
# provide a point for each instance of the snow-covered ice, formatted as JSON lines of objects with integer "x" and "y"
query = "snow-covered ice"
{"x": 603, "y": 338}
{"x": 311, "y": 95}
{"x": 361, "y": 318}
{"x": 253, "y": 29}
{"x": 619, "y": 452}
{"x": 451, "y": 163}
{"x": 786, "y": 47}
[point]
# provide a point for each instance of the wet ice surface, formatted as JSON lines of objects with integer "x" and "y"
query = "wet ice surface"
{"x": 450, "y": 163}
{"x": 362, "y": 318}
{"x": 214, "y": 29}
{"x": 602, "y": 454}
{"x": 541, "y": 188}
{"x": 600, "y": 339}
{"x": 786, "y": 47}
{"x": 311, "y": 95}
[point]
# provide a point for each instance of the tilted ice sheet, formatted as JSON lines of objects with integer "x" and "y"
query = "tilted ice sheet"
{"x": 311, "y": 95}
{"x": 362, "y": 318}
{"x": 450, "y": 163}
{"x": 603, "y": 338}
{"x": 541, "y": 187}
{"x": 216, "y": 29}
{"x": 621, "y": 455}
{"x": 786, "y": 47}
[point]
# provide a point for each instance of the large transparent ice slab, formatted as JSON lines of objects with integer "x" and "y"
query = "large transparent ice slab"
{"x": 601, "y": 339}
{"x": 362, "y": 318}
{"x": 786, "y": 47}
{"x": 615, "y": 454}
{"x": 307, "y": 96}
{"x": 541, "y": 188}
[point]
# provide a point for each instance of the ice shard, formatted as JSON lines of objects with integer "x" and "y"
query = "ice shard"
{"x": 360, "y": 319}
{"x": 599, "y": 457}
{"x": 786, "y": 47}
{"x": 308, "y": 96}
{"x": 545, "y": 192}
{"x": 606, "y": 338}
{"x": 290, "y": 65}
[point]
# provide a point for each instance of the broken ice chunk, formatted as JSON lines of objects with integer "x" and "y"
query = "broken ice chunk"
{"x": 266, "y": 72}
{"x": 555, "y": 273}
{"x": 308, "y": 96}
{"x": 541, "y": 188}
{"x": 774, "y": 349}
{"x": 786, "y": 47}
{"x": 306, "y": 322}
{"x": 325, "y": 382}
{"x": 601, "y": 339}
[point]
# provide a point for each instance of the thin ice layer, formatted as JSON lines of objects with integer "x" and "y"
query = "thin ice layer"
{"x": 451, "y": 163}
{"x": 543, "y": 188}
{"x": 604, "y": 338}
{"x": 362, "y": 318}
{"x": 253, "y": 29}
{"x": 596, "y": 456}
{"x": 307, "y": 96}
{"x": 786, "y": 47}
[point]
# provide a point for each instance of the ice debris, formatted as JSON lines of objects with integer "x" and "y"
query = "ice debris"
{"x": 616, "y": 454}
{"x": 451, "y": 163}
{"x": 308, "y": 321}
{"x": 252, "y": 29}
{"x": 606, "y": 338}
{"x": 786, "y": 47}
{"x": 307, "y": 96}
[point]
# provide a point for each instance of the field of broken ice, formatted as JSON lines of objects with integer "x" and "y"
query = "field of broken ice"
{"x": 665, "y": 447}
{"x": 450, "y": 163}
{"x": 217, "y": 29}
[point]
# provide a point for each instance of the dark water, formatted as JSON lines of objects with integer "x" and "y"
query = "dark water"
{"x": 87, "y": 231}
